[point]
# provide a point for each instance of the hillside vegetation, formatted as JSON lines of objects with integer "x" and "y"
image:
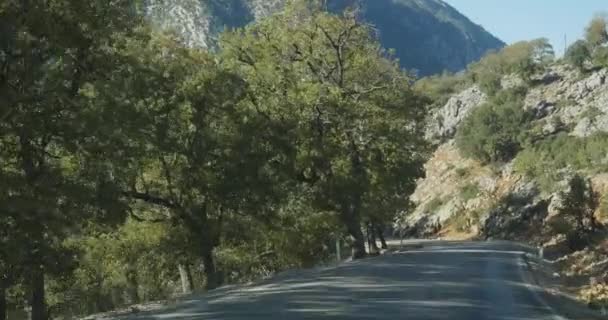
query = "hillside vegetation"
{"x": 133, "y": 168}
{"x": 521, "y": 154}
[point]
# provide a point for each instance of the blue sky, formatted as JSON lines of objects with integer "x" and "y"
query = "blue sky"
{"x": 515, "y": 20}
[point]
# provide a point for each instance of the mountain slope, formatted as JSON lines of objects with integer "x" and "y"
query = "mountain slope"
{"x": 552, "y": 193}
{"x": 427, "y": 35}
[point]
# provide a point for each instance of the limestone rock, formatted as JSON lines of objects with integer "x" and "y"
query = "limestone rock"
{"x": 445, "y": 120}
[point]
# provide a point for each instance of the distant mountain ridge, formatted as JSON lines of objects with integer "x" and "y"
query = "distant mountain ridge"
{"x": 428, "y": 35}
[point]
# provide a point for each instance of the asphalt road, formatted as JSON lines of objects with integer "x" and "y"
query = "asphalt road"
{"x": 455, "y": 281}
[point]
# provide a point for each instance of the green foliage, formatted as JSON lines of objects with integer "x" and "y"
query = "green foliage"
{"x": 495, "y": 131}
{"x": 490, "y": 82}
{"x": 463, "y": 221}
{"x": 579, "y": 202}
{"x": 524, "y": 58}
{"x": 434, "y": 205}
{"x": 596, "y": 33}
{"x": 134, "y": 260}
{"x": 469, "y": 191}
{"x": 593, "y": 48}
{"x": 125, "y": 157}
{"x": 439, "y": 88}
{"x": 600, "y": 57}
{"x": 463, "y": 172}
{"x": 544, "y": 161}
{"x": 348, "y": 112}
{"x": 578, "y": 54}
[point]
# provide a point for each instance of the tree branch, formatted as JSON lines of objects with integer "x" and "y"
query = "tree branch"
{"x": 146, "y": 197}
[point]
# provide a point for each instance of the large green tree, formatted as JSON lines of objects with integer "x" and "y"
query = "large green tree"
{"x": 339, "y": 102}
{"x": 193, "y": 150}
{"x": 49, "y": 51}
{"x": 596, "y": 32}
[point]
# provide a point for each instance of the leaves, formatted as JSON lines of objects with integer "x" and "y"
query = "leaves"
{"x": 123, "y": 153}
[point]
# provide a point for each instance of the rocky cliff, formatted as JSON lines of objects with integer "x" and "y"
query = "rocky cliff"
{"x": 427, "y": 35}
{"x": 464, "y": 198}
{"x": 563, "y": 102}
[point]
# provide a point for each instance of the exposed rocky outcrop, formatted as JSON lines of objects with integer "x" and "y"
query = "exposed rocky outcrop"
{"x": 445, "y": 120}
{"x": 580, "y": 103}
{"x": 508, "y": 205}
{"x": 429, "y": 36}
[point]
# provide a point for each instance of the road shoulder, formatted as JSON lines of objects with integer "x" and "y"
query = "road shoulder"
{"x": 540, "y": 274}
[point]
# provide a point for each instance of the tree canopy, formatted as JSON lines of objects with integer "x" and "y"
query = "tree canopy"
{"x": 131, "y": 164}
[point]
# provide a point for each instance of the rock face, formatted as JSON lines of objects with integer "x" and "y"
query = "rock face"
{"x": 504, "y": 204}
{"x": 581, "y": 104}
{"x": 445, "y": 120}
{"x": 427, "y": 35}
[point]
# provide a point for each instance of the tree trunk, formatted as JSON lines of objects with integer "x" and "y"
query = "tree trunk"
{"x": 38, "y": 295}
{"x": 3, "y": 305}
{"x": 211, "y": 274}
{"x": 380, "y": 233}
{"x": 132, "y": 294}
{"x": 186, "y": 278}
{"x": 371, "y": 234}
{"x": 353, "y": 226}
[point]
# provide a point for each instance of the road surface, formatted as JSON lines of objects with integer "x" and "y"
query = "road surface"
{"x": 455, "y": 281}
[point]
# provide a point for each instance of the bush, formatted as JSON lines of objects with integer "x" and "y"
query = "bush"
{"x": 462, "y": 172}
{"x": 544, "y": 160}
{"x": 433, "y": 205}
{"x": 600, "y": 57}
{"x": 523, "y": 58}
{"x": 596, "y": 32}
{"x": 469, "y": 191}
{"x": 463, "y": 221}
{"x": 578, "y": 54}
{"x": 495, "y": 131}
{"x": 489, "y": 82}
{"x": 439, "y": 88}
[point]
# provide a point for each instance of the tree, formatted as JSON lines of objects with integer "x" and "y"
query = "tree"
{"x": 579, "y": 203}
{"x": 493, "y": 132}
{"x": 488, "y": 73}
{"x": 345, "y": 110}
{"x": 578, "y": 54}
{"x": 193, "y": 151}
{"x": 600, "y": 57}
{"x": 596, "y": 32}
{"x": 524, "y": 58}
{"x": 49, "y": 53}
{"x": 527, "y": 58}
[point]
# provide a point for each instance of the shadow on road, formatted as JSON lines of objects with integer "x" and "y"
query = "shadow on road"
{"x": 441, "y": 281}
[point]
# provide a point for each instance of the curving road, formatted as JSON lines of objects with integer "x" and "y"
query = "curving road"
{"x": 455, "y": 281}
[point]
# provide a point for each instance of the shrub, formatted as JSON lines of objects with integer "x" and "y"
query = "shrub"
{"x": 600, "y": 57}
{"x": 463, "y": 221}
{"x": 544, "y": 160}
{"x": 439, "y": 88}
{"x": 462, "y": 172}
{"x": 433, "y": 205}
{"x": 523, "y": 58}
{"x": 495, "y": 131}
{"x": 596, "y": 32}
{"x": 578, "y": 54}
{"x": 489, "y": 82}
{"x": 469, "y": 191}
